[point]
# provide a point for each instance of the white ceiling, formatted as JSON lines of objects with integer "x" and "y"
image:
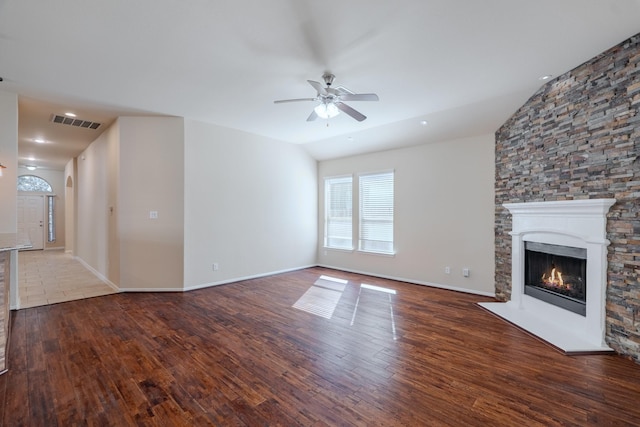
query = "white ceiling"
{"x": 465, "y": 65}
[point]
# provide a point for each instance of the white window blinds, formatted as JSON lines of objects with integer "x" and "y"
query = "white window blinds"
{"x": 376, "y": 212}
{"x": 338, "y": 212}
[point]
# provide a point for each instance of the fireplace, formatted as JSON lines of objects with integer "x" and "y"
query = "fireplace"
{"x": 557, "y": 275}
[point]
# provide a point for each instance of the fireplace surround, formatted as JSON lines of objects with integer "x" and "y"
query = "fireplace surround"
{"x": 579, "y": 225}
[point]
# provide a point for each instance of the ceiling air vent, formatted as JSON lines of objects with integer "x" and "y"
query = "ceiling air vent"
{"x": 71, "y": 121}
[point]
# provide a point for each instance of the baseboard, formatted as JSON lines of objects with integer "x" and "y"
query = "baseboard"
{"x": 239, "y": 279}
{"x": 98, "y": 274}
{"x": 413, "y": 281}
{"x": 55, "y": 248}
{"x": 272, "y": 273}
{"x": 135, "y": 290}
{"x": 211, "y": 284}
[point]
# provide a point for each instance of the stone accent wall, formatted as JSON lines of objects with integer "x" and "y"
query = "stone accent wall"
{"x": 578, "y": 137}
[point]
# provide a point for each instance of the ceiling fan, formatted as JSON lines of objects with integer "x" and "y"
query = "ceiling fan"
{"x": 331, "y": 100}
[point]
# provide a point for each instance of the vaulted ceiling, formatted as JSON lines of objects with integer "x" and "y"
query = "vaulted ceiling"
{"x": 464, "y": 66}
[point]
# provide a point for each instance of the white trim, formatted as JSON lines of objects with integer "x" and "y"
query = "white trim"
{"x": 329, "y": 248}
{"x": 377, "y": 172}
{"x": 413, "y": 281}
{"x": 128, "y": 290}
{"x": 211, "y": 284}
{"x": 273, "y": 273}
{"x": 346, "y": 175}
{"x": 576, "y": 223}
{"x": 239, "y": 279}
{"x": 97, "y": 274}
{"x": 387, "y": 254}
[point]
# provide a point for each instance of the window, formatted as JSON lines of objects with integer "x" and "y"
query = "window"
{"x": 51, "y": 237}
{"x": 376, "y": 212}
{"x": 338, "y": 212}
{"x": 33, "y": 183}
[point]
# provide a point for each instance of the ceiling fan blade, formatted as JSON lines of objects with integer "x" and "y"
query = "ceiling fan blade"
{"x": 341, "y": 90}
{"x": 318, "y": 87}
{"x": 350, "y": 111}
{"x": 312, "y": 116}
{"x": 293, "y": 100}
{"x": 359, "y": 97}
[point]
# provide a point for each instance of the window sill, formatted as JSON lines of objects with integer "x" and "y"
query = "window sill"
{"x": 329, "y": 248}
{"x": 385, "y": 254}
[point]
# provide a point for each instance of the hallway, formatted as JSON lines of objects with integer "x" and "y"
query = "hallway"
{"x": 50, "y": 277}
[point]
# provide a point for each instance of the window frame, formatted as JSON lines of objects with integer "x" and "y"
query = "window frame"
{"x": 51, "y": 218}
{"x": 327, "y": 207}
{"x": 363, "y": 222}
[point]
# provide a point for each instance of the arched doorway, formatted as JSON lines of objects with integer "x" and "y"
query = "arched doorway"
{"x": 69, "y": 219}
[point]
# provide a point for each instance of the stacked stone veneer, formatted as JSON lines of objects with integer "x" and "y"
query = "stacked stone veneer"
{"x": 578, "y": 137}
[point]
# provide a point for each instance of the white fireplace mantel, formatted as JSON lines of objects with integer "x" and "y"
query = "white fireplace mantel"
{"x": 576, "y": 223}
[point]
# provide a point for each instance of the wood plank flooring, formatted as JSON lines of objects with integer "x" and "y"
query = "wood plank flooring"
{"x": 241, "y": 355}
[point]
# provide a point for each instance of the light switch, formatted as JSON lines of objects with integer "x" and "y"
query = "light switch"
{"x": 153, "y": 214}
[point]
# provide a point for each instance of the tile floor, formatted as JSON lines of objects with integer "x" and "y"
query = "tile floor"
{"x": 50, "y": 277}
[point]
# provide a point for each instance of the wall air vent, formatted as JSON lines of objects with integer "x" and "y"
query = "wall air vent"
{"x": 72, "y": 121}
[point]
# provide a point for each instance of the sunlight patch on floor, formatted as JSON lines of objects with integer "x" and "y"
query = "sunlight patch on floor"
{"x": 378, "y": 288}
{"x": 322, "y": 298}
{"x": 387, "y": 291}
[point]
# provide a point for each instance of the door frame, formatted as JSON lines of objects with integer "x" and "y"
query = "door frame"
{"x": 44, "y": 210}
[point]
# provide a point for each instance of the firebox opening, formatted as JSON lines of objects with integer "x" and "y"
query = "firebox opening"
{"x": 557, "y": 275}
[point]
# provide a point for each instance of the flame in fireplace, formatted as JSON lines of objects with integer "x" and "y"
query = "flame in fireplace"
{"x": 555, "y": 280}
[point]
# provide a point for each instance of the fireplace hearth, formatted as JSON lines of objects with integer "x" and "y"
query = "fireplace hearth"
{"x": 557, "y": 275}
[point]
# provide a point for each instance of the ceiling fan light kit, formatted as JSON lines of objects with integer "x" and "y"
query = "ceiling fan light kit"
{"x": 326, "y": 111}
{"x": 331, "y": 100}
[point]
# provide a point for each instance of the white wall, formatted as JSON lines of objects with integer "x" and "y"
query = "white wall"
{"x": 151, "y": 179}
{"x": 250, "y": 205}
{"x": 444, "y": 205}
{"x": 95, "y": 195}
{"x": 9, "y": 158}
{"x": 135, "y": 166}
{"x": 70, "y": 207}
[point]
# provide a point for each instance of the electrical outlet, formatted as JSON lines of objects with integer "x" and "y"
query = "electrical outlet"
{"x": 447, "y": 270}
{"x": 153, "y": 214}
{"x": 215, "y": 266}
{"x": 465, "y": 272}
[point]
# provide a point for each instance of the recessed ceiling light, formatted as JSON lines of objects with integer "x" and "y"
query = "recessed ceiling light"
{"x": 31, "y": 159}
{"x": 39, "y": 140}
{"x": 545, "y": 77}
{"x": 69, "y": 114}
{"x": 424, "y": 122}
{"x": 31, "y": 167}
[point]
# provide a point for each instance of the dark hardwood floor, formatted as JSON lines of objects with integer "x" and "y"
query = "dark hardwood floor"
{"x": 240, "y": 355}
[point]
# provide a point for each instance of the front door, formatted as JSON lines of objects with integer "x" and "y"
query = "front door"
{"x": 31, "y": 219}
